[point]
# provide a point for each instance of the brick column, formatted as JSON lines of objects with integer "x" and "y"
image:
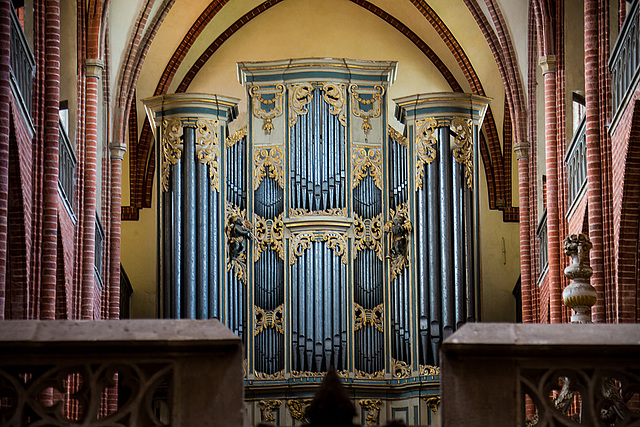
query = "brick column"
{"x": 5, "y": 108}
{"x": 50, "y": 166}
{"x": 522, "y": 153}
{"x": 94, "y": 73}
{"x": 547, "y": 63}
{"x": 117, "y": 154}
{"x": 594, "y": 170}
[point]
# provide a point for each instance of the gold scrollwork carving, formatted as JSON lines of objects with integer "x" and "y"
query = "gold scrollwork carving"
{"x": 366, "y": 376}
{"x": 275, "y": 376}
{"x": 302, "y": 241}
{"x": 269, "y": 234}
{"x": 268, "y": 319}
{"x": 364, "y": 158}
{"x": 208, "y": 149}
{"x": 335, "y": 97}
{"x": 397, "y": 136}
{"x": 268, "y": 157}
{"x": 267, "y": 408}
{"x": 429, "y": 370}
{"x": 239, "y": 262}
{"x": 400, "y": 228}
{"x": 300, "y": 212}
{"x": 367, "y": 234}
{"x": 357, "y": 103}
{"x": 307, "y": 374}
{"x": 298, "y": 408}
{"x": 463, "y": 151}
{"x": 171, "y": 148}
{"x": 400, "y": 369}
{"x": 236, "y": 137}
{"x": 372, "y": 406}
{"x": 433, "y": 403}
{"x": 300, "y": 95}
{"x": 364, "y": 316}
{"x": 259, "y": 103}
{"x": 426, "y": 142}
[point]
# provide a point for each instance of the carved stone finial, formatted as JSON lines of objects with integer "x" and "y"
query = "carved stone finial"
{"x": 580, "y": 296}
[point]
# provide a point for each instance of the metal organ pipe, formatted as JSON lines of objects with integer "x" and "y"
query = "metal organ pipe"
{"x": 448, "y": 321}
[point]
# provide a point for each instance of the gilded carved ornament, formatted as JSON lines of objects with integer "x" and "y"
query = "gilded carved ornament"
{"x": 334, "y": 95}
{"x": 171, "y": 148}
{"x": 302, "y": 241}
{"x": 268, "y": 319}
{"x": 364, "y": 316}
{"x": 425, "y": 146}
{"x": 372, "y": 407}
{"x": 300, "y": 212}
{"x": 239, "y": 262}
{"x": 208, "y": 149}
{"x": 433, "y": 403}
{"x": 267, "y": 408}
{"x": 357, "y": 104}
{"x": 366, "y": 159}
{"x": 367, "y": 233}
{"x": 429, "y": 370}
{"x": 298, "y": 409}
{"x": 269, "y": 234}
{"x": 367, "y": 376}
{"x": 399, "y": 228}
{"x": 463, "y": 151}
{"x": 397, "y": 136}
{"x": 275, "y": 376}
{"x": 400, "y": 369}
{"x": 270, "y": 158}
{"x": 236, "y": 137}
{"x": 259, "y": 102}
{"x": 300, "y": 95}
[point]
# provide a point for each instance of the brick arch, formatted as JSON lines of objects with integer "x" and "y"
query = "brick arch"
{"x": 628, "y": 289}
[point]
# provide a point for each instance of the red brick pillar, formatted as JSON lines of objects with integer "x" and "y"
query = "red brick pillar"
{"x": 50, "y": 166}
{"x": 5, "y": 109}
{"x": 554, "y": 274}
{"x": 522, "y": 154}
{"x": 594, "y": 161}
{"x": 117, "y": 155}
{"x": 94, "y": 74}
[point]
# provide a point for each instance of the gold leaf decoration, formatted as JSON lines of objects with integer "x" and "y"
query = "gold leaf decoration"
{"x": 300, "y": 95}
{"x": 426, "y": 143}
{"x": 298, "y": 409}
{"x": 269, "y": 234}
{"x": 300, "y": 212}
{"x": 397, "y": 136}
{"x": 236, "y": 137}
{"x": 302, "y": 241}
{"x": 400, "y": 369}
{"x": 259, "y": 103}
{"x": 171, "y": 148}
{"x": 268, "y": 319}
{"x": 366, "y": 376}
{"x": 239, "y": 264}
{"x": 364, "y": 316}
{"x": 399, "y": 261}
{"x": 208, "y": 149}
{"x": 433, "y": 403}
{"x": 357, "y": 103}
{"x": 429, "y": 370}
{"x": 267, "y": 408}
{"x": 366, "y": 159}
{"x": 275, "y": 376}
{"x": 372, "y": 407}
{"x": 271, "y": 158}
{"x": 334, "y": 96}
{"x": 367, "y": 234}
{"x": 463, "y": 151}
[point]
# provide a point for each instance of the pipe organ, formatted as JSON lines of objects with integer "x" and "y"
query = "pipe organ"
{"x": 318, "y": 232}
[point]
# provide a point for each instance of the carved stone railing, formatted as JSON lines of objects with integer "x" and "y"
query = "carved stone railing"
{"x": 624, "y": 60}
{"x": 543, "y": 256}
{"x": 576, "y": 160}
{"x": 120, "y": 372}
{"x": 488, "y": 371}
{"x": 22, "y": 64}
{"x": 66, "y": 169}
